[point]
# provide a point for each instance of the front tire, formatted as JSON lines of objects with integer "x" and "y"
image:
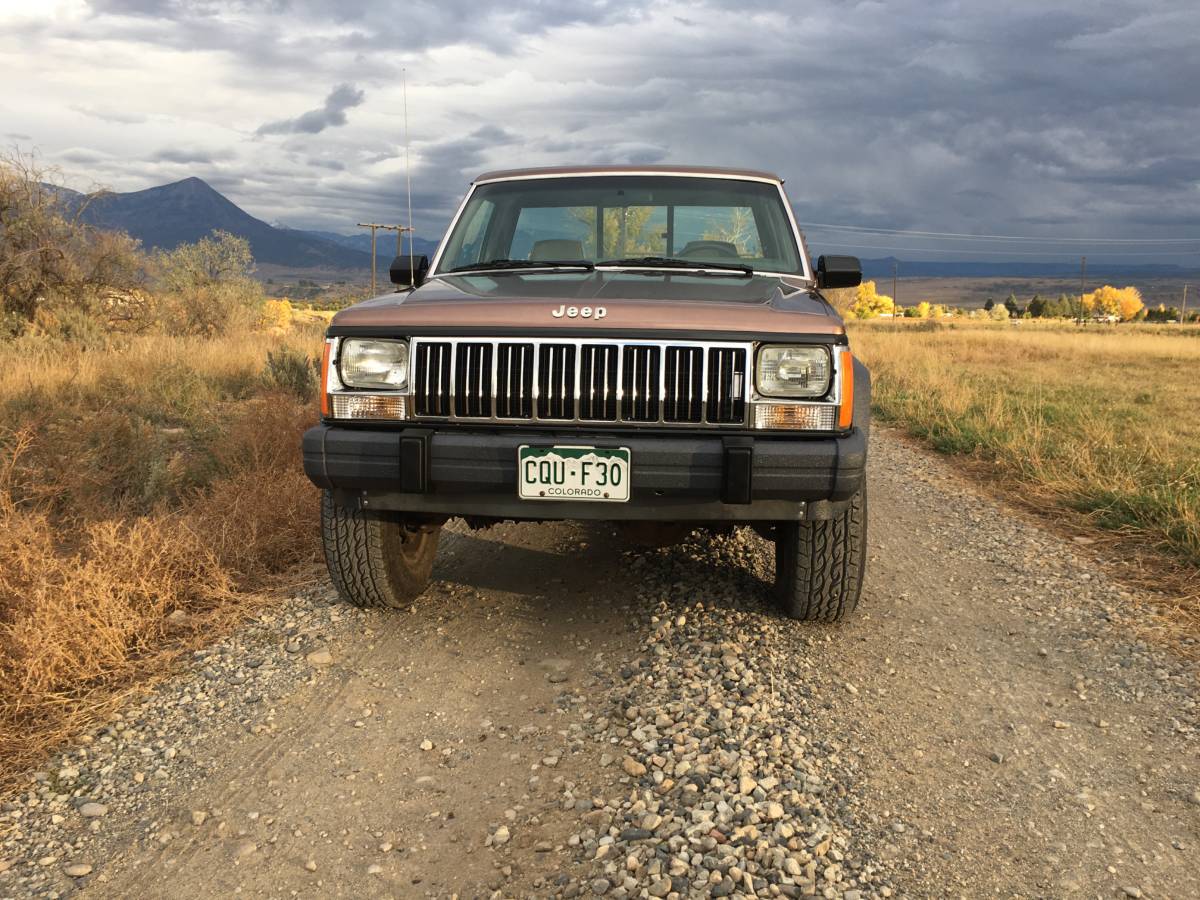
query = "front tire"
{"x": 376, "y": 560}
{"x": 819, "y": 565}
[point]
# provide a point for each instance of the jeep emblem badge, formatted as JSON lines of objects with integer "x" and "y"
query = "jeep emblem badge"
{"x": 582, "y": 312}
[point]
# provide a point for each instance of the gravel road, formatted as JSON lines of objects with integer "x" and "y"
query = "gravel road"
{"x": 563, "y": 715}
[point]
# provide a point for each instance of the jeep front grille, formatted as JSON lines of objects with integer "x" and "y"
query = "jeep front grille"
{"x": 582, "y": 381}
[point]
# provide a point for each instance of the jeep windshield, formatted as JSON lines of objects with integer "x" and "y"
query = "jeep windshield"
{"x": 641, "y": 223}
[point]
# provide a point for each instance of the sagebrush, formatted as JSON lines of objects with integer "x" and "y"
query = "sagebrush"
{"x": 149, "y": 494}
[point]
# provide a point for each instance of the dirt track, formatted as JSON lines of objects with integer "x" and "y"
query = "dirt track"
{"x": 988, "y": 725}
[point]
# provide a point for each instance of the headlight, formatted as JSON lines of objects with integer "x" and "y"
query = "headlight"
{"x": 365, "y": 363}
{"x": 793, "y": 371}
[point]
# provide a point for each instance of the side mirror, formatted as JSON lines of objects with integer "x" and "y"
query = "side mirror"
{"x": 409, "y": 271}
{"x": 838, "y": 272}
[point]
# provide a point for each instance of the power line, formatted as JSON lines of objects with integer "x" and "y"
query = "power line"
{"x": 863, "y": 229}
{"x": 1015, "y": 250}
{"x": 374, "y": 226}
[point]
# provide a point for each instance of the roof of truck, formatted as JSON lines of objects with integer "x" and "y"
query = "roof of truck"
{"x": 557, "y": 171}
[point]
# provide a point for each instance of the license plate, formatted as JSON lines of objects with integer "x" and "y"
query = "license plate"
{"x": 573, "y": 473}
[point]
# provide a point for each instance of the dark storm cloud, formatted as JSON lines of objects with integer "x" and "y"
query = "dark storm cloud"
{"x": 190, "y": 155}
{"x": 439, "y": 180}
{"x": 83, "y": 156}
{"x": 1031, "y": 116}
{"x": 259, "y": 33}
{"x": 330, "y": 114}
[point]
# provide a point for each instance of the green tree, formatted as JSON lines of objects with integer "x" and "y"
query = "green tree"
{"x": 50, "y": 258}
{"x": 208, "y": 286}
{"x": 1163, "y": 313}
{"x": 219, "y": 258}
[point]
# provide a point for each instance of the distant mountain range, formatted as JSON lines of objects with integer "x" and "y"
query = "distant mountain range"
{"x": 882, "y": 268}
{"x": 385, "y": 242}
{"x": 182, "y": 212}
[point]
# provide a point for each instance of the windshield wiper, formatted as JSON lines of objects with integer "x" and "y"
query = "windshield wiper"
{"x": 669, "y": 262}
{"x": 526, "y": 264}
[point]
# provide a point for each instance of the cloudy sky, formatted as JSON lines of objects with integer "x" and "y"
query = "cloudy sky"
{"x": 1026, "y": 118}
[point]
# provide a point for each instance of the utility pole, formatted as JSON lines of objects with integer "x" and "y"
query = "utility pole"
{"x": 399, "y": 229}
{"x": 1082, "y": 276}
{"x": 1183, "y": 312}
{"x": 895, "y": 296}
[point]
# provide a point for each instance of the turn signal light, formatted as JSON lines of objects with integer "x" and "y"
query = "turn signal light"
{"x": 846, "y": 407}
{"x": 323, "y": 386}
{"x": 797, "y": 416}
{"x": 369, "y": 406}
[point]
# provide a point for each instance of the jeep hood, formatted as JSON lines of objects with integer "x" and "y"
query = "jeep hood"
{"x": 632, "y": 303}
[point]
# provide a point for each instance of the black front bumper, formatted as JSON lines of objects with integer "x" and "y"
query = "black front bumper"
{"x": 458, "y": 471}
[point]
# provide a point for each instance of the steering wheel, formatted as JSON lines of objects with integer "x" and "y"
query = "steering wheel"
{"x": 723, "y": 249}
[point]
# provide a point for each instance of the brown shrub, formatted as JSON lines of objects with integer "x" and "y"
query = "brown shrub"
{"x": 138, "y": 486}
{"x": 261, "y": 517}
{"x": 76, "y": 617}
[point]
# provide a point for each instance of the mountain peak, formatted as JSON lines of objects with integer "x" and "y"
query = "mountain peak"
{"x": 185, "y": 211}
{"x": 191, "y": 184}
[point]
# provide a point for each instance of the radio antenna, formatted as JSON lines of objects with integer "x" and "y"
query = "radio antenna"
{"x": 408, "y": 178}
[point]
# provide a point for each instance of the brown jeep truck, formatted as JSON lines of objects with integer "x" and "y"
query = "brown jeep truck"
{"x": 638, "y": 345}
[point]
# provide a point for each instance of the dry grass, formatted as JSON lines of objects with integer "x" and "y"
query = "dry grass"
{"x": 148, "y": 495}
{"x": 1098, "y": 423}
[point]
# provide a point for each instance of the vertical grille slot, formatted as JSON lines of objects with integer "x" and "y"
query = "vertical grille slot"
{"x": 598, "y": 382}
{"x": 433, "y": 379}
{"x": 514, "y": 381}
{"x": 726, "y": 385}
{"x": 556, "y": 381}
{"x": 640, "y": 384}
{"x": 683, "y": 385}
{"x": 473, "y": 380}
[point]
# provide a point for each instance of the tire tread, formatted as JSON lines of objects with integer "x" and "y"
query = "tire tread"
{"x": 362, "y": 553}
{"x": 819, "y": 565}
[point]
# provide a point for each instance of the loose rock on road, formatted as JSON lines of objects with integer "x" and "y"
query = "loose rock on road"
{"x": 562, "y": 715}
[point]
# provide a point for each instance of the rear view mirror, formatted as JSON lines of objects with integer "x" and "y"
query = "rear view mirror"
{"x": 409, "y": 271}
{"x": 838, "y": 272}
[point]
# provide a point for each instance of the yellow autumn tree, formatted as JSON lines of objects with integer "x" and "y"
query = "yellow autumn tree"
{"x": 1130, "y": 304}
{"x": 870, "y": 303}
{"x": 1125, "y": 303}
{"x": 924, "y": 308}
{"x": 274, "y": 314}
{"x": 841, "y": 299}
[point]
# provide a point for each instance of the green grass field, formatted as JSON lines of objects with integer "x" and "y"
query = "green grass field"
{"x": 1103, "y": 421}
